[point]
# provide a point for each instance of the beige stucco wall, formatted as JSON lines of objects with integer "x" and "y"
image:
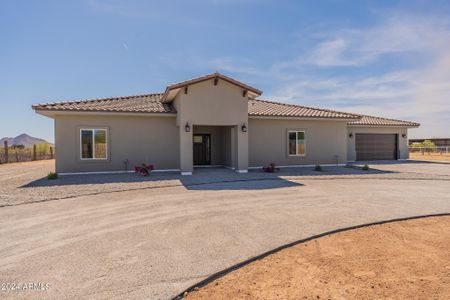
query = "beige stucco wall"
{"x": 139, "y": 139}
{"x": 213, "y": 105}
{"x": 402, "y": 142}
{"x": 268, "y": 142}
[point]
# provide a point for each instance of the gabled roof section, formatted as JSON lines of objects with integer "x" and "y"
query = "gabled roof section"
{"x": 377, "y": 121}
{"x": 172, "y": 89}
{"x": 148, "y": 103}
{"x": 265, "y": 108}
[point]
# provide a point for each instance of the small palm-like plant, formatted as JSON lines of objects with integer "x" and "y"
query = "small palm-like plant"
{"x": 52, "y": 176}
{"x": 318, "y": 168}
{"x": 365, "y": 168}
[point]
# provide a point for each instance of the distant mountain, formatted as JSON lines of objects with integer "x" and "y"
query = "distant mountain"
{"x": 23, "y": 139}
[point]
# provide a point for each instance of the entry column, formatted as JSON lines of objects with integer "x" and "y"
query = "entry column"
{"x": 241, "y": 150}
{"x": 186, "y": 150}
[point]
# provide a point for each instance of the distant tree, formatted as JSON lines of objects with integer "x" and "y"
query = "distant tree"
{"x": 428, "y": 144}
{"x": 424, "y": 144}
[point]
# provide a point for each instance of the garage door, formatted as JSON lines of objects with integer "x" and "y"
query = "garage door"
{"x": 376, "y": 146}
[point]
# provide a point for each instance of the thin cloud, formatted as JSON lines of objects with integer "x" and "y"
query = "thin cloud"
{"x": 417, "y": 90}
{"x": 395, "y": 35}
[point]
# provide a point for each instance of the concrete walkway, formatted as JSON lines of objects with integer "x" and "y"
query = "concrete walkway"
{"x": 154, "y": 243}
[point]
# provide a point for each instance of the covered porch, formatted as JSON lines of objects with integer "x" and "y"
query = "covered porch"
{"x": 216, "y": 146}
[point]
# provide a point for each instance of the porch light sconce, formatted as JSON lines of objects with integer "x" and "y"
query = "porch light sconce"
{"x": 244, "y": 128}
{"x": 187, "y": 128}
{"x": 404, "y": 136}
{"x": 350, "y": 135}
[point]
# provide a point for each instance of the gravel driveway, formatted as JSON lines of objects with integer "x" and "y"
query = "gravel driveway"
{"x": 155, "y": 242}
{"x": 26, "y": 182}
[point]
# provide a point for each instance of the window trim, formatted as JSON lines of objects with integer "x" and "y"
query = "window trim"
{"x": 296, "y": 143}
{"x": 93, "y": 144}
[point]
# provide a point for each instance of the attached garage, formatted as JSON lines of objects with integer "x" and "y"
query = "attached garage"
{"x": 372, "y": 146}
{"x": 373, "y": 138}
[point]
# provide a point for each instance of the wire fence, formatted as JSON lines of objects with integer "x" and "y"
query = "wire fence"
{"x": 12, "y": 154}
{"x": 432, "y": 153}
{"x": 424, "y": 150}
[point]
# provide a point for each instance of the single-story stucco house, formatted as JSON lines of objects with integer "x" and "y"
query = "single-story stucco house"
{"x": 213, "y": 120}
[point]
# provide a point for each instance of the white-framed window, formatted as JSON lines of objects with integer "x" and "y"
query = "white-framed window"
{"x": 93, "y": 143}
{"x": 296, "y": 143}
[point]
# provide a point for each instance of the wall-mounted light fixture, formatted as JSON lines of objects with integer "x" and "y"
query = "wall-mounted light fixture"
{"x": 187, "y": 127}
{"x": 404, "y": 136}
{"x": 350, "y": 135}
{"x": 244, "y": 128}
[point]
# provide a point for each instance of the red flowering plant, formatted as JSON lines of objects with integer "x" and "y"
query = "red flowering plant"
{"x": 144, "y": 169}
{"x": 271, "y": 168}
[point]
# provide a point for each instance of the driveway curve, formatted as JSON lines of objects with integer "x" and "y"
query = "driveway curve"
{"x": 155, "y": 243}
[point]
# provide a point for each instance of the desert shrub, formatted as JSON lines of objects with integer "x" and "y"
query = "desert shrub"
{"x": 318, "y": 168}
{"x": 52, "y": 176}
{"x": 365, "y": 168}
{"x": 144, "y": 169}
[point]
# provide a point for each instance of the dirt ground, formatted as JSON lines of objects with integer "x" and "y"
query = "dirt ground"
{"x": 430, "y": 156}
{"x": 402, "y": 260}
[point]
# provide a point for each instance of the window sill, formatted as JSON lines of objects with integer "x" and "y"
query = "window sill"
{"x": 99, "y": 160}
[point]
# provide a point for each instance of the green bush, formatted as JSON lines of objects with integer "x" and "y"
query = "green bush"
{"x": 428, "y": 144}
{"x": 43, "y": 149}
{"x": 365, "y": 168}
{"x": 318, "y": 168}
{"x": 52, "y": 176}
{"x": 424, "y": 144}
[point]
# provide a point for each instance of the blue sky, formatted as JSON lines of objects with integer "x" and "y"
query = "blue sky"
{"x": 382, "y": 58}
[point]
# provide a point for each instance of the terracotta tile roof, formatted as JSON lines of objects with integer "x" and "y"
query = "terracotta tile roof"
{"x": 149, "y": 103}
{"x": 377, "y": 121}
{"x": 276, "y": 109}
{"x": 152, "y": 103}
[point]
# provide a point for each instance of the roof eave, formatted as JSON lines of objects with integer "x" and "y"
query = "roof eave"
{"x": 343, "y": 119}
{"x": 386, "y": 125}
{"x": 51, "y": 113}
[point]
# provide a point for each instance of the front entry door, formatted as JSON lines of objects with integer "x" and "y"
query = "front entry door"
{"x": 202, "y": 149}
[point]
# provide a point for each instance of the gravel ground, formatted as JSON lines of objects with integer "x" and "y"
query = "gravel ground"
{"x": 26, "y": 182}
